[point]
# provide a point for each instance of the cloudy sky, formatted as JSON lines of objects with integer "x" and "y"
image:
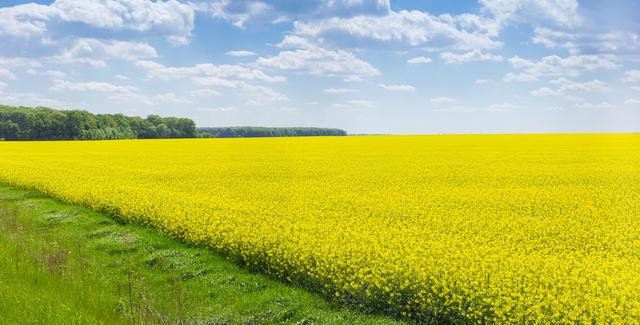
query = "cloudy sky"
{"x": 367, "y": 66}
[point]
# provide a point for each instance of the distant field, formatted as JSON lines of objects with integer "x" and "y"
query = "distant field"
{"x": 485, "y": 228}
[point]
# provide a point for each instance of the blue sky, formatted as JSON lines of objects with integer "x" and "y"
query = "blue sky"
{"x": 367, "y": 66}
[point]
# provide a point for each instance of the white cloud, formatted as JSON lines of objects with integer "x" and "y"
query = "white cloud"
{"x": 25, "y": 21}
{"x": 573, "y": 65}
{"x": 440, "y": 100}
{"x": 162, "y": 72}
{"x": 544, "y": 91}
{"x": 205, "y": 93}
{"x": 121, "y": 77}
{"x": 564, "y": 86}
{"x": 613, "y": 41}
{"x": 632, "y": 102}
{"x": 244, "y": 12}
{"x": 172, "y": 19}
{"x": 589, "y": 86}
{"x": 318, "y": 61}
{"x": 462, "y": 32}
{"x": 632, "y": 76}
{"x": 337, "y": 90}
{"x": 259, "y": 95}
{"x": 95, "y": 52}
{"x": 3, "y": 85}
{"x": 398, "y": 88}
{"x": 559, "y": 12}
{"x": 474, "y": 55}
{"x": 238, "y": 13}
{"x": 5, "y": 73}
{"x": 419, "y": 60}
{"x": 233, "y": 77}
{"x": 9, "y": 65}
{"x": 520, "y": 77}
{"x": 636, "y": 88}
{"x": 117, "y": 92}
{"x": 240, "y": 53}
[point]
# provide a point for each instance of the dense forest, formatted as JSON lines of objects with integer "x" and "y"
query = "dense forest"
{"x": 41, "y": 123}
{"x": 256, "y": 132}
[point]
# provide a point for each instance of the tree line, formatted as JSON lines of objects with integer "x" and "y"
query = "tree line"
{"x": 257, "y": 132}
{"x": 42, "y": 123}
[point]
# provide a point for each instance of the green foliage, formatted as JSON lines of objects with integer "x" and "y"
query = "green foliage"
{"x": 41, "y": 123}
{"x": 257, "y": 132}
{"x": 62, "y": 264}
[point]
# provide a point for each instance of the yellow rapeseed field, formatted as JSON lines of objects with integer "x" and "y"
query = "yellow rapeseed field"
{"x": 482, "y": 228}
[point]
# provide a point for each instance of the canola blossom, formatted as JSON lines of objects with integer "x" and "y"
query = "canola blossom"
{"x": 470, "y": 228}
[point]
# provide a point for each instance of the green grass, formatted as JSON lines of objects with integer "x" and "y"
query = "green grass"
{"x": 63, "y": 264}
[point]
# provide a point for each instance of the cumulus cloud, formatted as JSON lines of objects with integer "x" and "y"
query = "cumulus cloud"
{"x": 240, "y": 53}
{"x": 475, "y": 55}
{"x": 398, "y": 88}
{"x": 307, "y": 58}
{"x": 245, "y": 12}
{"x": 554, "y": 65}
{"x": 419, "y": 60}
{"x": 25, "y": 21}
{"x": 462, "y": 32}
{"x": 160, "y": 71}
{"x": 612, "y": 41}
{"x": 258, "y": 95}
{"x": 5, "y": 73}
{"x": 520, "y": 77}
{"x": 589, "y": 86}
{"x": 564, "y": 87}
{"x": 123, "y": 93}
{"x": 544, "y": 91}
{"x": 9, "y": 65}
{"x": 172, "y": 19}
{"x": 559, "y": 12}
{"x": 96, "y": 52}
{"x": 632, "y": 76}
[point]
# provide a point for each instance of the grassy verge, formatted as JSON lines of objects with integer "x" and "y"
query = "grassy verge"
{"x": 66, "y": 264}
